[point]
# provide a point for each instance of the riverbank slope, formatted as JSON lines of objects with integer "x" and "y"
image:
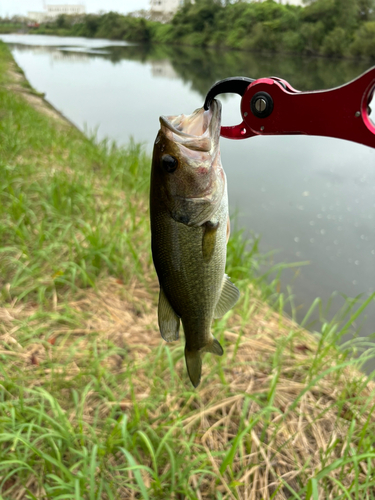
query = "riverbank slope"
{"x": 93, "y": 403}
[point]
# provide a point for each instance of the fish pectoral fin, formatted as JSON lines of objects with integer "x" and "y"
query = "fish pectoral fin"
{"x": 209, "y": 240}
{"x": 214, "y": 347}
{"x": 169, "y": 321}
{"x": 194, "y": 366}
{"x": 229, "y": 296}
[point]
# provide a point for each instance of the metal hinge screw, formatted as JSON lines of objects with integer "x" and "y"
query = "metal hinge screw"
{"x": 260, "y": 105}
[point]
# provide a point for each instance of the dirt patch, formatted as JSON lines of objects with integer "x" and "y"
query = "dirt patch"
{"x": 306, "y": 421}
{"x": 125, "y": 315}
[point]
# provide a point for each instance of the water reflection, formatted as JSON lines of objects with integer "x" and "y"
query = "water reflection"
{"x": 164, "y": 69}
{"x": 201, "y": 68}
{"x": 61, "y": 53}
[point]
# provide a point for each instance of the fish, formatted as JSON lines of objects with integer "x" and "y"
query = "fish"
{"x": 189, "y": 232}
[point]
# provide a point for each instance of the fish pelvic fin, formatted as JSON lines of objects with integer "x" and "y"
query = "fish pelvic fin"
{"x": 194, "y": 366}
{"x": 169, "y": 322}
{"x": 214, "y": 347}
{"x": 228, "y": 297}
{"x": 194, "y": 360}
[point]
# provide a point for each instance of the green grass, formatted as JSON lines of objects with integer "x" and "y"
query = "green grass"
{"x": 9, "y": 27}
{"x": 58, "y": 219}
{"x": 93, "y": 405}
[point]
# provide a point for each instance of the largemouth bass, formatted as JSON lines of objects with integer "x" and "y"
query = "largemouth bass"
{"x": 190, "y": 230}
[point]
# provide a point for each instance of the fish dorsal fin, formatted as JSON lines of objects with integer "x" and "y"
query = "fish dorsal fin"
{"x": 214, "y": 347}
{"x": 209, "y": 240}
{"x": 229, "y": 296}
{"x": 169, "y": 322}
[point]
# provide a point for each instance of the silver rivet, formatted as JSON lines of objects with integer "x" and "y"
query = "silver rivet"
{"x": 358, "y": 114}
{"x": 245, "y": 114}
{"x": 260, "y": 105}
{"x": 262, "y": 128}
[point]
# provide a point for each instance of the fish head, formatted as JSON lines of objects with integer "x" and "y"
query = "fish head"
{"x": 187, "y": 175}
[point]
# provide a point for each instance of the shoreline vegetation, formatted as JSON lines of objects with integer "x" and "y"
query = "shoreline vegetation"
{"x": 331, "y": 28}
{"x": 93, "y": 404}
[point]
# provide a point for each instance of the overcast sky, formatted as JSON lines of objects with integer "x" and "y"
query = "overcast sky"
{"x": 12, "y": 7}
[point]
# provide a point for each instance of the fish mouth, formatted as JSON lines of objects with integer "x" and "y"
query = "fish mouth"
{"x": 199, "y": 131}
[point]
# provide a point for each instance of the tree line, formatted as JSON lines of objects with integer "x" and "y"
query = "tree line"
{"x": 336, "y": 28}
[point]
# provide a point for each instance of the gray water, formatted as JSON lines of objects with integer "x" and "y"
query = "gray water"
{"x": 310, "y": 198}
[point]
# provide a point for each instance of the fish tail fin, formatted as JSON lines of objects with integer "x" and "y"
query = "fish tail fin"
{"x": 194, "y": 366}
{"x": 194, "y": 360}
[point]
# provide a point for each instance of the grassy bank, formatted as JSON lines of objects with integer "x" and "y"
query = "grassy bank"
{"x": 10, "y": 27}
{"x": 93, "y": 404}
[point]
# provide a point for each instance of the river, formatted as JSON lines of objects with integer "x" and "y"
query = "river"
{"x": 308, "y": 198}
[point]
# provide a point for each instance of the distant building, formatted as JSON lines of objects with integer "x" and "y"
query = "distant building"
{"x": 38, "y": 17}
{"x": 53, "y": 11}
{"x": 165, "y": 6}
{"x": 56, "y": 10}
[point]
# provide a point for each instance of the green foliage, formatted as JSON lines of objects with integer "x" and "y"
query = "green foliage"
{"x": 325, "y": 27}
{"x": 62, "y": 21}
{"x": 335, "y": 43}
{"x": 366, "y": 9}
{"x": 161, "y": 33}
{"x": 261, "y": 38}
{"x": 312, "y": 35}
{"x": 364, "y": 41}
{"x": 50, "y": 219}
{"x": 321, "y": 10}
{"x": 91, "y": 24}
{"x": 292, "y": 41}
{"x": 201, "y": 15}
{"x": 7, "y": 26}
{"x": 109, "y": 25}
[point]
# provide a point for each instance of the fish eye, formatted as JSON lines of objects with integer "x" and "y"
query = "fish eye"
{"x": 170, "y": 163}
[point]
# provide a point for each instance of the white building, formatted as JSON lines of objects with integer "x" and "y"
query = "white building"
{"x": 56, "y": 10}
{"x": 53, "y": 11}
{"x": 37, "y": 17}
{"x": 165, "y": 6}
